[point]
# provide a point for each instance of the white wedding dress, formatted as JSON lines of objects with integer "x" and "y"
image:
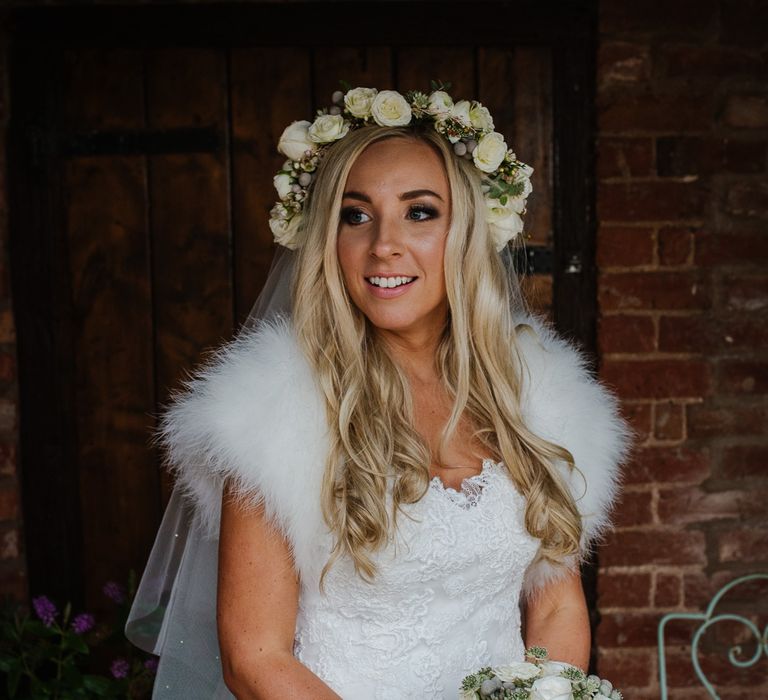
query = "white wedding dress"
{"x": 444, "y": 603}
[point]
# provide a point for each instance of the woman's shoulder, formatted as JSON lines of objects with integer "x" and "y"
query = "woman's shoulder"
{"x": 563, "y": 401}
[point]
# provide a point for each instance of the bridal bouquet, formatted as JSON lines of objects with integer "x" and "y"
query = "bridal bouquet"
{"x": 539, "y": 680}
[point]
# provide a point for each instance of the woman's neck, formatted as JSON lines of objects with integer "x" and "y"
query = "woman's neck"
{"x": 415, "y": 354}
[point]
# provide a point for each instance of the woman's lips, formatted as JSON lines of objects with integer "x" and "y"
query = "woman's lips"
{"x": 389, "y": 292}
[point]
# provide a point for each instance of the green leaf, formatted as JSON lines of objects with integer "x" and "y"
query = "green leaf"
{"x": 75, "y": 642}
{"x": 503, "y": 199}
{"x": 97, "y": 684}
{"x": 347, "y": 87}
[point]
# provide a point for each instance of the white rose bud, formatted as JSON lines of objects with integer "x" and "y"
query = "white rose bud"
{"x": 359, "y": 101}
{"x": 282, "y": 184}
{"x": 551, "y": 688}
{"x": 328, "y": 128}
{"x": 294, "y": 141}
{"x": 522, "y": 671}
{"x": 284, "y": 231}
{"x": 490, "y": 151}
{"x": 390, "y": 108}
{"x": 460, "y": 112}
{"x": 480, "y": 117}
{"x": 504, "y": 223}
{"x": 440, "y": 103}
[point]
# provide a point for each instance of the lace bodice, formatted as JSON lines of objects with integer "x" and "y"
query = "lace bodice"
{"x": 445, "y": 600}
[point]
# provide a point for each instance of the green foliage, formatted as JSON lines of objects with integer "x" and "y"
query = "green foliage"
{"x": 56, "y": 655}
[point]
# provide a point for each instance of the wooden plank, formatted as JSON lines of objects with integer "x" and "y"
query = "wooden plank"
{"x": 188, "y": 215}
{"x": 359, "y": 66}
{"x": 416, "y": 66}
{"x": 270, "y": 88}
{"x": 109, "y": 264}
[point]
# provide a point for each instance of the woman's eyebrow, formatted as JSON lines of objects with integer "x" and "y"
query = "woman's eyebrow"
{"x": 415, "y": 194}
{"x": 353, "y": 194}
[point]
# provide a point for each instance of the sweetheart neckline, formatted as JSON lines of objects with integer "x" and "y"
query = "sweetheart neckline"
{"x": 487, "y": 463}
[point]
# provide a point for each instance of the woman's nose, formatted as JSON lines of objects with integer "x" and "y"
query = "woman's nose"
{"x": 387, "y": 238}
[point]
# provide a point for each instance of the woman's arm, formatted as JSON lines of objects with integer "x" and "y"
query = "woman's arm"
{"x": 556, "y": 618}
{"x": 258, "y": 594}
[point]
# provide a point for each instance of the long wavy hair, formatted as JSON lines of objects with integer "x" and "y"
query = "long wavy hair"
{"x": 369, "y": 408}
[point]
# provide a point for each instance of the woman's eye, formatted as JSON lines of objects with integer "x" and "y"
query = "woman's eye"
{"x": 354, "y": 216}
{"x": 421, "y": 213}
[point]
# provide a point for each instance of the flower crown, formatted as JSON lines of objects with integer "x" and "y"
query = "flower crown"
{"x": 467, "y": 125}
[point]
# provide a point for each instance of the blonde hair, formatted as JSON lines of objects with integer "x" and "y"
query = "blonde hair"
{"x": 367, "y": 396}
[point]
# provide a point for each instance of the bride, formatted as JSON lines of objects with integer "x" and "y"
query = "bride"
{"x": 389, "y": 481}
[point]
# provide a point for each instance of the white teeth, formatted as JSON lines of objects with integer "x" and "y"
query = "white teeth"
{"x": 390, "y": 282}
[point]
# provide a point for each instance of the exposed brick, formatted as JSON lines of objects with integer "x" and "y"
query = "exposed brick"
{"x": 681, "y": 506}
{"x": 624, "y": 246}
{"x": 709, "y": 61}
{"x": 668, "y": 590}
{"x": 745, "y": 292}
{"x": 7, "y": 367}
{"x": 7, "y": 327}
{"x": 743, "y": 546}
{"x": 669, "y": 423}
{"x": 668, "y": 464}
{"x": 653, "y": 290}
{"x": 748, "y": 199}
{"x": 9, "y": 501}
{"x": 9, "y": 544}
{"x": 7, "y": 415}
{"x": 633, "y": 508}
{"x": 744, "y": 462}
{"x": 652, "y": 200}
{"x": 747, "y": 248}
{"x": 623, "y": 590}
{"x": 645, "y": 114}
{"x": 706, "y": 420}
{"x": 625, "y": 157}
{"x": 745, "y": 156}
{"x": 675, "y": 245}
{"x": 698, "y": 588}
{"x": 683, "y": 18}
{"x": 658, "y": 546}
{"x": 657, "y": 379}
{"x": 715, "y": 665}
{"x": 7, "y": 458}
{"x": 681, "y": 156}
{"x": 626, "y": 334}
{"x": 626, "y": 630}
{"x": 706, "y": 333}
{"x": 638, "y": 416}
{"x": 746, "y": 111}
{"x": 623, "y": 63}
{"x": 633, "y": 668}
{"x": 743, "y": 377}
{"x": 743, "y": 22}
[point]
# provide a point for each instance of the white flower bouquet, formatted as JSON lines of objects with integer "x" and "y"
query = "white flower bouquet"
{"x": 537, "y": 680}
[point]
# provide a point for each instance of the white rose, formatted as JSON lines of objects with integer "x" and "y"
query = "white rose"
{"x": 282, "y": 184}
{"x": 521, "y": 671}
{"x": 505, "y": 222}
{"x": 480, "y": 117}
{"x": 390, "y": 108}
{"x": 551, "y": 688}
{"x": 295, "y": 140}
{"x": 469, "y": 695}
{"x": 328, "y": 128}
{"x": 285, "y": 230}
{"x": 490, "y": 151}
{"x": 550, "y": 668}
{"x": 460, "y": 112}
{"x": 600, "y": 696}
{"x": 440, "y": 103}
{"x": 358, "y": 101}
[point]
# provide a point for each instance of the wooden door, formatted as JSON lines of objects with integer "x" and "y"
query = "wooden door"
{"x": 140, "y": 236}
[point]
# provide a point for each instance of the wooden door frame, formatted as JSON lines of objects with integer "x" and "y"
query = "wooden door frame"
{"x": 48, "y": 468}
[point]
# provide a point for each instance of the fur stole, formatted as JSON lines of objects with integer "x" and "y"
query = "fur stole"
{"x": 252, "y": 412}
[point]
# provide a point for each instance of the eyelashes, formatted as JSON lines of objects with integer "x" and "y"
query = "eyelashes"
{"x": 354, "y": 216}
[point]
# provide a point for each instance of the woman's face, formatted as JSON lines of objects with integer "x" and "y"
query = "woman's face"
{"x": 395, "y": 215}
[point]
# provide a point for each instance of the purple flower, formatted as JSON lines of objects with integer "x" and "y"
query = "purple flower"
{"x": 83, "y": 623}
{"x": 114, "y": 591}
{"x": 45, "y": 610}
{"x": 151, "y": 664}
{"x": 120, "y": 668}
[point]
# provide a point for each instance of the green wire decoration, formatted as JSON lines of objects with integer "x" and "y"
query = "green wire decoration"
{"x": 708, "y": 619}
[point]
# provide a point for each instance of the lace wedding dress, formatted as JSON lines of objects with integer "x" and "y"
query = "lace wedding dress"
{"x": 444, "y": 602}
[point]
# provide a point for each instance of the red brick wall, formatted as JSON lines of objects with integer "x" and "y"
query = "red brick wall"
{"x": 683, "y": 294}
{"x": 12, "y": 568}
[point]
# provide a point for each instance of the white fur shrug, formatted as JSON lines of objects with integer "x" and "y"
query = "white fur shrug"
{"x": 252, "y": 412}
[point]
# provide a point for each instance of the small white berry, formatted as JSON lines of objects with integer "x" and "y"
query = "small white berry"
{"x": 337, "y": 97}
{"x": 471, "y": 145}
{"x": 459, "y": 148}
{"x": 305, "y": 179}
{"x": 334, "y": 110}
{"x": 296, "y": 188}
